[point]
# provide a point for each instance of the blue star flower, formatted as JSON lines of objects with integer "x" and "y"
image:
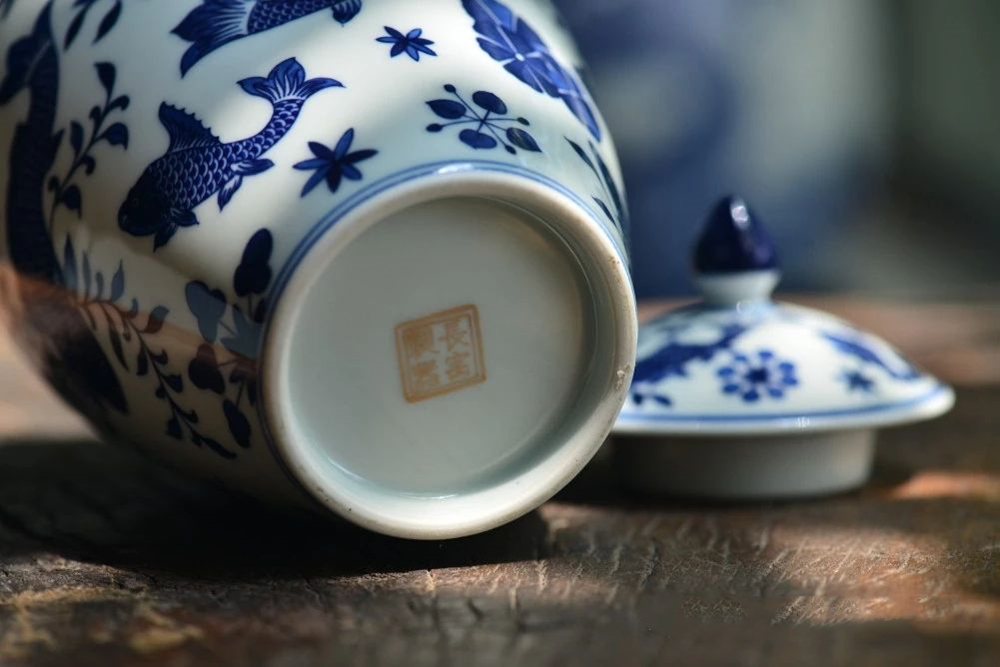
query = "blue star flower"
{"x": 333, "y": 164}
{"x": 412, "y": 44}
{"x": 751, "y": 377}
{"x": 858, "y": 381}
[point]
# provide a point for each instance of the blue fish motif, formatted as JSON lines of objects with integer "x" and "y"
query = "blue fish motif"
{"x": 216, "y": 23}
{"x": 197, "y": 165}
{"x": 855, "y": 346}
{"x": 672, "y": 359}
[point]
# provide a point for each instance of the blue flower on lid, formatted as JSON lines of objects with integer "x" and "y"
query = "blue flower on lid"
{"x": 734, "y": 241}
{"x": 753, "y": 377}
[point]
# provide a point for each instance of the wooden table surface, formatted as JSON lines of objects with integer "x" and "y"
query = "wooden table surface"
{"x": 105, "y": 559}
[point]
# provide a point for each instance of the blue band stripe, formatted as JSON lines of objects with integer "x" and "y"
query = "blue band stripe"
{"x": 820, "y": 414}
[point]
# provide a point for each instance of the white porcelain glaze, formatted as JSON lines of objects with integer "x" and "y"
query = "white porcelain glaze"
{"x": 749, "y": 467}
{"x": 207, "y": 210}
{"x": 764, "y": 367}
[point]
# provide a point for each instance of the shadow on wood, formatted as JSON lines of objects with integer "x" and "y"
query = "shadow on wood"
{"x": 107, "y": 505}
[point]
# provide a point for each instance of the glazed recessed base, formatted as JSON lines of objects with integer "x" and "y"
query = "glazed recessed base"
{"x": 445, "y": 364}
{"x": 441, "y": 347}
{"x": 746, "y": 468}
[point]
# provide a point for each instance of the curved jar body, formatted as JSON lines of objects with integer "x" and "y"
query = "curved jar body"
{"x": 365, "y": 254}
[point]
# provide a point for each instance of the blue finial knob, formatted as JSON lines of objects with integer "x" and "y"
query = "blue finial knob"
{"x": 733, "y": 241}
{"x": 734, "y": 259}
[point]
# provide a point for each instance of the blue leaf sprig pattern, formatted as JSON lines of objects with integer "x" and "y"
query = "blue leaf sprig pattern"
{"x": 128, "y": 335}
{"x": 82, "y": 8}
{"x": 64, "y": 190}
{"x": 487, "y": 121}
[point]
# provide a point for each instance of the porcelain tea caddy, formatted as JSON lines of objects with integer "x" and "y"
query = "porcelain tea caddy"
{"x": 740, "y": 397}
{"x": 364, "y": 255}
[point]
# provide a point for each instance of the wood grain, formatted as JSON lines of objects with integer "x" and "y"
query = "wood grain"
{"x": 107, "y": 559}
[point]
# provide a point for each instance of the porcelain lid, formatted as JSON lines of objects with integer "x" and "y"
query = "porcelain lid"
{"x": 739, "y": 363}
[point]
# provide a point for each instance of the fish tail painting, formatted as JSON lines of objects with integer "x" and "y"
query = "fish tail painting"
{"x": 216, "y": 23}
{"x": 286, "y": 83}
{"x": 211, "y": 26}
{"x": 198, "y": 166}
{"x": 74, "y": 361}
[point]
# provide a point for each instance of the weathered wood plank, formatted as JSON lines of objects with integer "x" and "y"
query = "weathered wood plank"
{"x": 107, "y": 559}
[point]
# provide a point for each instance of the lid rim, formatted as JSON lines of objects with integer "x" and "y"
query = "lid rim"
{"x": 927, "y": 406}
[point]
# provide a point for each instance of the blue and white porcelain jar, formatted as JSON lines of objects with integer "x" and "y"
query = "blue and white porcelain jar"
{"x": 367, "y": 253}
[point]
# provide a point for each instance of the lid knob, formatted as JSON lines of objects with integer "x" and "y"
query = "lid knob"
{"x": 734, "y": 258}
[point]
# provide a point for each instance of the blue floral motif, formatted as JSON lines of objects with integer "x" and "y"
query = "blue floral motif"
{"x": 64, "y": 191}
{"x": 334, "y": 164}
{"x": 489, "y": 118}
{"x": 128, "y": 337}
{"x": 672, "y": 359}
{"x": 234, "y": 378}
{"x": 197, "y": 165}
{"x": 82, "y": 8}
{"x": 81, "y": 371}
{"x": 853, "y": 344}
{"x": 215, "y": 23}
{"x": 857, "y": 381}
{"x": 412, "y": 44}
{"x": 754, "y": 376}
{"x": 612, "y": 204}
{"x": 508, "y": 39}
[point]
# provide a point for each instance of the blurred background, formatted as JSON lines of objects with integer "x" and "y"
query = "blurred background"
{"x": 865, "y": 133}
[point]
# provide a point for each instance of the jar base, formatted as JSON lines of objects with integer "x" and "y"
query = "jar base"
{"x": 439, "y": 372}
